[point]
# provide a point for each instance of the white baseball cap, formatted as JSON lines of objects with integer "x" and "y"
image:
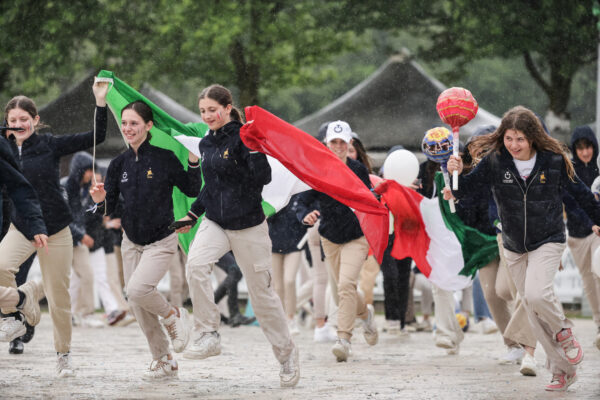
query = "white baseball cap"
{"x": 338, "y": 130}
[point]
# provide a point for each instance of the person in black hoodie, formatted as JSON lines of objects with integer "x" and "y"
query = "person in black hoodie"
{"x": 145, "y": 176}
{"x": 344, "y": 244}
{"x": 528, "y": 172}
{"x": 234, "y": 177}
{"x": 39, "y": 157}
{"x": 583, "y": 237}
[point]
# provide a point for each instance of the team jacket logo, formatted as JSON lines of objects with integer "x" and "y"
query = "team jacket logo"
{"x": 226, "y": 154}
{"x": 124, "y": 177}
{"x": 542, "y": 177}
{"x": 507, "y": 178}
{"x": 149, "y": 174}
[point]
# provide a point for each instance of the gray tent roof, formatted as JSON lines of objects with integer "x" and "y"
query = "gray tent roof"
{"x": 395, "y": 105}
{"x": 73, "y": 112}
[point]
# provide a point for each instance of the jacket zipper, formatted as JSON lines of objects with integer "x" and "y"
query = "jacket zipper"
{"x": 525, "y": 209}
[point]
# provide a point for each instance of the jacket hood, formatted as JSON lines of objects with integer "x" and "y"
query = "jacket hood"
{"x": 80, "y": 162}
{"x": 584, "y": 132}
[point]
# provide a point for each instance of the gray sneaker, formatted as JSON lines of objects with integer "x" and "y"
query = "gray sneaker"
{"x": 289, "y": 374}
{"x": 341, "y": 350}
{"x": 64, "y": 368}
{"x": 30, "y": 308}
{"x": 370, "y": 329}
{"x": 11, "y": 328}
{"x": 208, "y": 344}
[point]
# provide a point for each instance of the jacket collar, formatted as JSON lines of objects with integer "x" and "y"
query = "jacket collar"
{"x": 229, "y": 129}
{"x": 541, "y": 161}
{"x": 144, "y": 147}
{"x": 31, "y": 140}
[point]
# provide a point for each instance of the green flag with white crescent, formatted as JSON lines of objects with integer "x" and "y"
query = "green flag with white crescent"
{"x": 163, "y": 132}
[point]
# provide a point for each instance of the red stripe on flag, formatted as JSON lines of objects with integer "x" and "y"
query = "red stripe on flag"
{"x": 319, "y": 168}
{"x": 411, "y": 239}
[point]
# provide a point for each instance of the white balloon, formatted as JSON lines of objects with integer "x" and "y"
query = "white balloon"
{"x": 596, "y": 262}
{"x": 401, "y": 166}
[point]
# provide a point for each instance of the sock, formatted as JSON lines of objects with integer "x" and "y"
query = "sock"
{"x": 21, "y": 299}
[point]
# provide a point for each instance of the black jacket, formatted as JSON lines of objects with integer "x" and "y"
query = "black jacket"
{"x": 285, "y": 230}
{"x": 234, "y": 177}
{"x": 21, "y": 193}
{"x": 338, "y": 223}
{"x": 530, "y": 211}
{"x": 77, "y": 193}
{"x": 579, "y": 224}
{"x": 39, "y": 161}
{"x": 146, "y": 182}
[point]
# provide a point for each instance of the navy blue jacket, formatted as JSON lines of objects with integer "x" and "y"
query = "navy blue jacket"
{"x": 234, "y": 177}
{"x": 77, "y": 193}
{"x": 146, "y": 182}
{"x": 530, "y": 211}
{"x": 338, "y": 223}
{"x": 579, "y": 224}
{"x": 285, "y": 230}
{"x": 21, "y": 193}
{"x": 39, "y": 161}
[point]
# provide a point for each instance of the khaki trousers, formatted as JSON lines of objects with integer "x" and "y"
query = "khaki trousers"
{"x": 9, "y": 297}
{"x": 582, "y": 250}
{"x": 368, "y": 274}
{"x": 81, "y": 287}
{"x": 143, "y": 268}
{"x": 345, "y": 261}
{"x": 285, "y": 269}
{"x": 533, "y": 273}
{"x": 251, "y": 248}
{"x": 445, "y": 318}
{"x": 112, "y": 274}
{"x": 55, "y": 265}
{"x": 178, "y": 284}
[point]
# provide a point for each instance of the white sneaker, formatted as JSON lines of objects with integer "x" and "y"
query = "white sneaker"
{"x": 293, "y": 327}
{"x": 370, "y": 328}
{"x": 528, "y": 365}
{"x": 391, "y": 326}
{"x": 341, "y": 350}
{"x": 64, "y": 368}
{"x": 514, "y": 355}
{"x": 487, "y": 326}
{"x": 11, "y": 328}
{"x": 289, "y": 374}
{"x": 404, "y": 333}
{"x": 424, "y": 326}
{"x": 325, "y": 334}
{"x": 178, "y": 329}
{"x": 33, "y": 291}
{"x": 208, "y": 344}
{"x": 446, "y": 343}
{"x": 161, "y": 370}
{"x": 90, "y": 321}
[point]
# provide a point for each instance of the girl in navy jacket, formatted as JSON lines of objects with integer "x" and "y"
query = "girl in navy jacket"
{"x": 527, "y": 172}
{"x": 39, "y": 156}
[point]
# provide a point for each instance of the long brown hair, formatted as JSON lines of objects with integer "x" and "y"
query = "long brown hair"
{"x": 361, "y": 153}
{"x": 524, "y": 120}
{"x": 26, "y": 104}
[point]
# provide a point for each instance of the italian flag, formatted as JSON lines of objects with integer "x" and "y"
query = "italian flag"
{"x": 438, "y": 242}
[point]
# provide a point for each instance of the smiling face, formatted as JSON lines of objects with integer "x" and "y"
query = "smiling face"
{"x": 339, "y": 148}
{"x": 352, "y": 152}
{"x": 517, "y": 145}
{"x": 19, "y": 118}
{"x": 134, "y": 128}
{"x": 213, "y": 113}
{"x": 585, "y": 151}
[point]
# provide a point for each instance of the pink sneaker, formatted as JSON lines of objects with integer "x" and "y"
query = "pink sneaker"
{"x": 570, "y": 345}
{"x": 560, "y": 383}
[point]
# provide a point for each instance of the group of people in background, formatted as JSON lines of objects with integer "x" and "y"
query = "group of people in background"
{"x": 112, "y": 230}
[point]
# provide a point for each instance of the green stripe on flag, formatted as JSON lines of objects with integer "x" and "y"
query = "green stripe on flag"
{"x": 478, "y": 248}
{"x": 165, "y": 127}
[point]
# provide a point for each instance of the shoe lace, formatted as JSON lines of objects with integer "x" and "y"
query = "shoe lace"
{"x": 556, "y": 378}
{"x": 172, "y": 330}
{"x": 157, "y": 365}
{"x": 63, "y": 362}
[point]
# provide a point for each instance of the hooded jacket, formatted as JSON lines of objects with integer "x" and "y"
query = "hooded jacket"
{"x": 39, "y": 160}
{"x": 530, "y": 211}
{"x": 77, "y": 193}
{"x": 285, "y": 230}
{"x": 20, "y": 192}
{"x": 579, "y": 223}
